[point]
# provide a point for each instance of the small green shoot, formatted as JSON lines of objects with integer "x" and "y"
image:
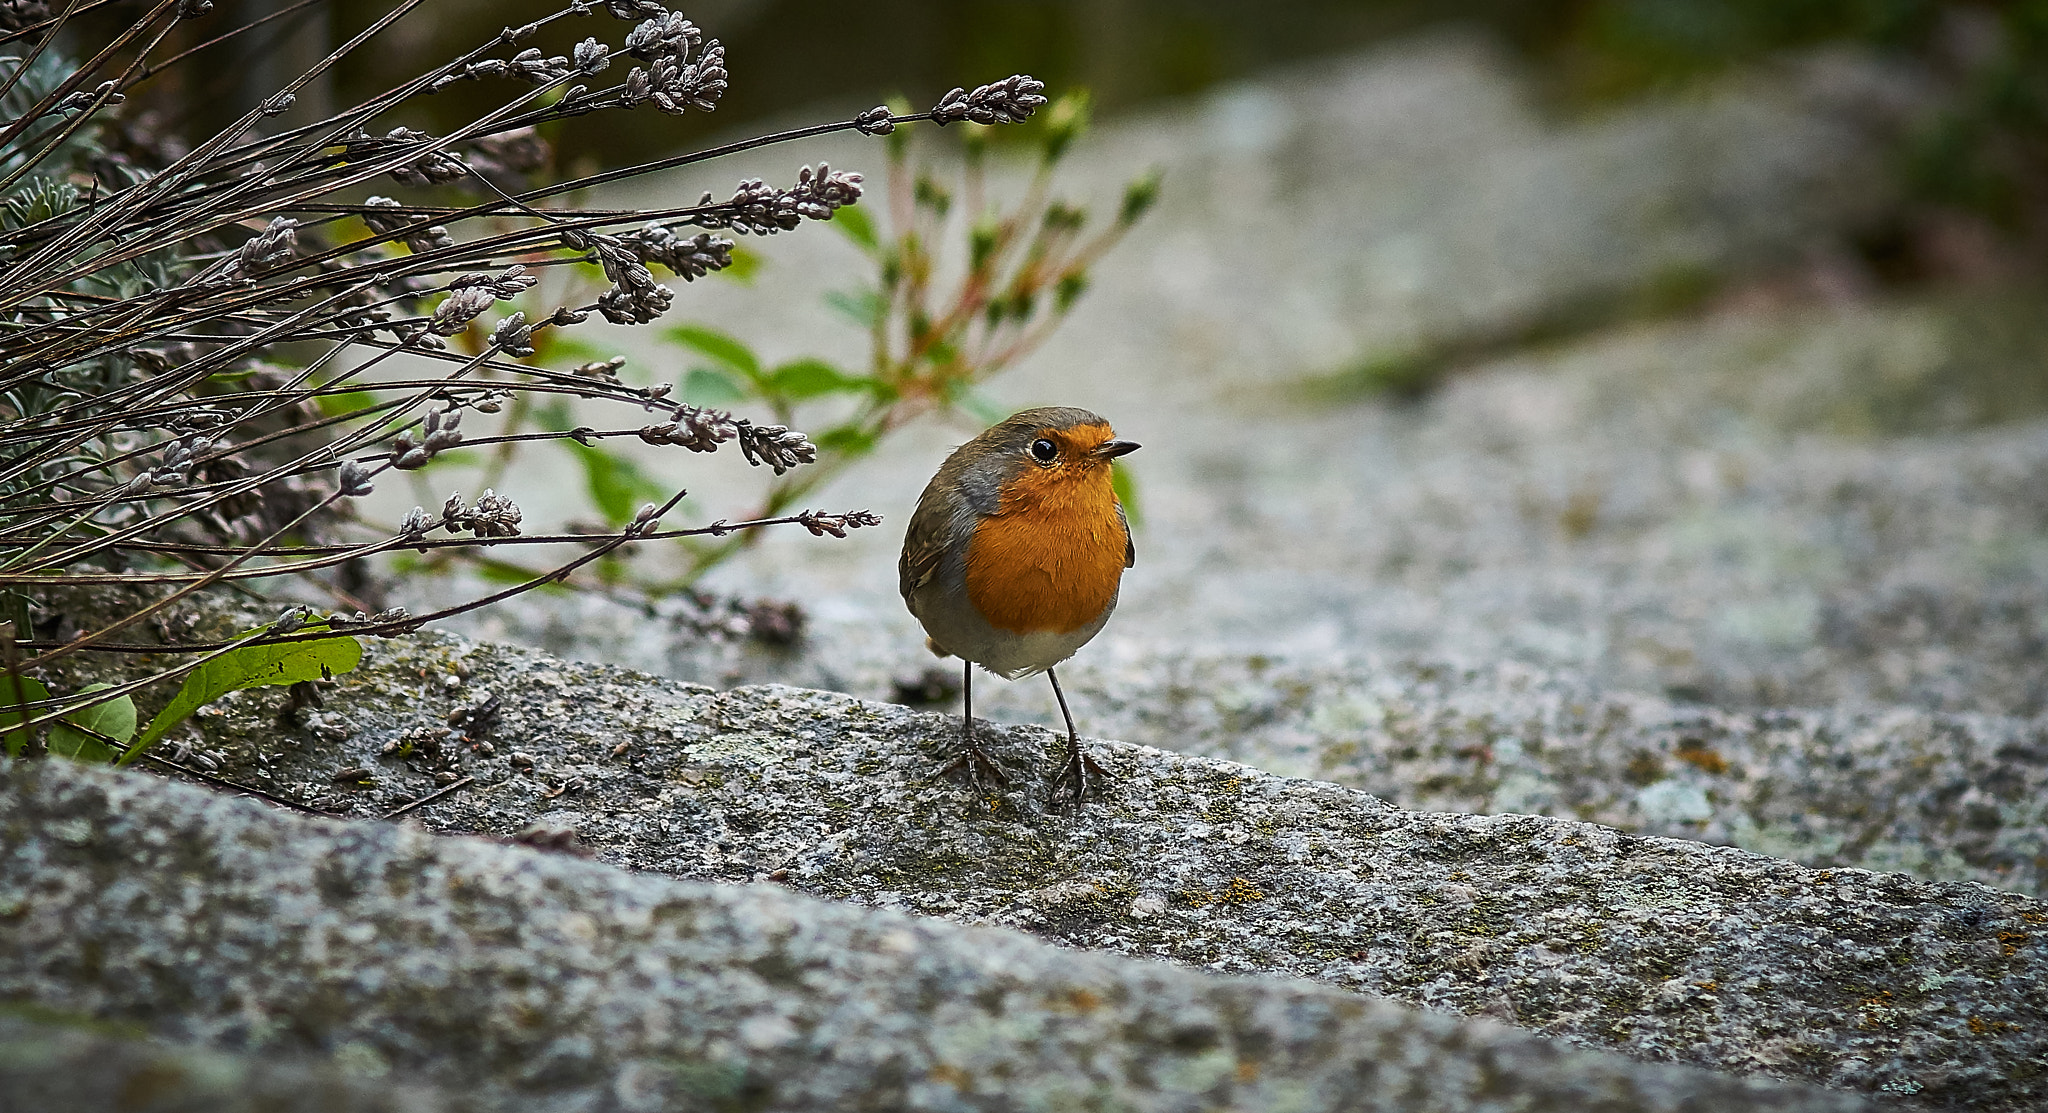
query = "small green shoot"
{"x": 17, "y": 690}
{"x": 251, "y": 666}
{"x": 115, "y": 719}
{"x": 616, "y": 485}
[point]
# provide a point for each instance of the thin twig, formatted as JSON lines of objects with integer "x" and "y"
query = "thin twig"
{"x": 223, "y": 782}
{"x": 430, "y": 797}
{"x": 122, "y": 747}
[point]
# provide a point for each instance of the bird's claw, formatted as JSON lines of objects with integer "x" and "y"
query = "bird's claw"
{"x": 1084, "y": 774}
{"x": 982, "y": 769}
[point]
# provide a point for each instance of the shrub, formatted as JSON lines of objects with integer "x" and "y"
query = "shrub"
{"x": 207, "y": 354}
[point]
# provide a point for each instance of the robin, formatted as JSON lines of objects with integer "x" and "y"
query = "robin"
{"x": 1013, "y": 559}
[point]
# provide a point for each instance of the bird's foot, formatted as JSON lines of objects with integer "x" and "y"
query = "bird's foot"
{"x": 1081, "y": 777}
{"x": 982, "y": 770}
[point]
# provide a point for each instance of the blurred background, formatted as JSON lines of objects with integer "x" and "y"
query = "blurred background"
{"x": 1577, "y": 56}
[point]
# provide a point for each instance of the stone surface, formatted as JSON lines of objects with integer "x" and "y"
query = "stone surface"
{"x": 1935, "y": 794}
{"x": 48, "y": 1064}
{"x": 536, "y": 981}
{"x": 1942, "y": 795}
{"x": 1660, "y": 948}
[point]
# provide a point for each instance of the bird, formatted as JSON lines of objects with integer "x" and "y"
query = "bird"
{"x": 1013, "y": 560}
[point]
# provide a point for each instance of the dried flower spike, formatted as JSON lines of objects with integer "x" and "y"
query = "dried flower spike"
{"x": 290, "y": 619}
{"x": 441, "y": 430}
{"x": 764, "y": 210}
{"x": 820, "y": 523}
{"x": 634, "y": 9}
{"x": 603, "y": 370}
{"x": 514, "y": 335}
{"x": 667, "y": 35}
{"x": 875, "y": 121}
{"x": 470, "y": 294}
{"x": 592, "y": 56}
{"x": 691, "y": 258}
{"x": 494, "y": 515}
{"x": 430, "y": 168}
{"x": 267, "y": 250}
{"x": 1009, "y": 101}
{"x": 777, "y": 446}
{"x": 16, "y": 14}
{"x": 694, "y": 428}
{"x": 386, "y": 216}
{"x": 355, "y": 481}
{"x": 672, "y": 80}
{"x": 635, "y": 297}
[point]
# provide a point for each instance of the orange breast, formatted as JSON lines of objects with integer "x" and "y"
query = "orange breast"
{"x": 1051, "y": 557}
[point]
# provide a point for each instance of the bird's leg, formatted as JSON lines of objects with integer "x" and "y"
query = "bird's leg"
{"x": 1080, "y": 769}
{"x": 981, "y": 768}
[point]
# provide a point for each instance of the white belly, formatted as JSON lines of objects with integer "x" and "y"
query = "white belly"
{"x": 956, "y": 627}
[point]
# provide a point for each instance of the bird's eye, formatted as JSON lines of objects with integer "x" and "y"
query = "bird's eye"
{"x": 1044, "y": 451}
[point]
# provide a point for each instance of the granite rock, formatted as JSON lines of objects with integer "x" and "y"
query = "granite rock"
{"x": 1940, "y": 795}
{"x": 59, "y": 1063}
{"x": 1659, "y": 948}
{"x": 536, "y": 981}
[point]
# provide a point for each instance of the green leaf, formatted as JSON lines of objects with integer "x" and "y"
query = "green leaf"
{"x": 863, "y": 307}
{"x": 745, "y": 266}
{"x": 719, "y": 346}
{"x": 854, "y": 224}
{"x": 498, "y": 572}
{"x": 982, "y": 240}
{"x": 1069, "y": 290}
{"x": 338, "y": 405}
{"x": 939, "y": 352}
{"x": 15, "y": 690}
{"x": 1061, "y": 216}
{"x": 811, "y": 378}
{"x": 555, "y": 414}
{"x": 974, "y": 402}
{"x": 454, "y": 458}
{"x": 565, "y": 347}
{"x": 251, "y": 666}
{"x": 705, "y": 387}
{"x": 1140, "y": 193}
{"x": 616, "y": 485}
{"x": 1064, "y": 122}
{"x": 929, "y": 194}
{"x": 1126, "y": 490}
{"x": 114, "y": 718}
{"x": 847, "y": 440}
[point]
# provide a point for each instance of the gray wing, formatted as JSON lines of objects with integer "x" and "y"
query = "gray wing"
{"x": 924, "y": 546}
{"x": 1130, "y": 547}
{"x": 920, "y": 560}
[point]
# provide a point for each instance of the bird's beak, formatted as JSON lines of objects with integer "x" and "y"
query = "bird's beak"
{"x": 1110, "y": 450}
